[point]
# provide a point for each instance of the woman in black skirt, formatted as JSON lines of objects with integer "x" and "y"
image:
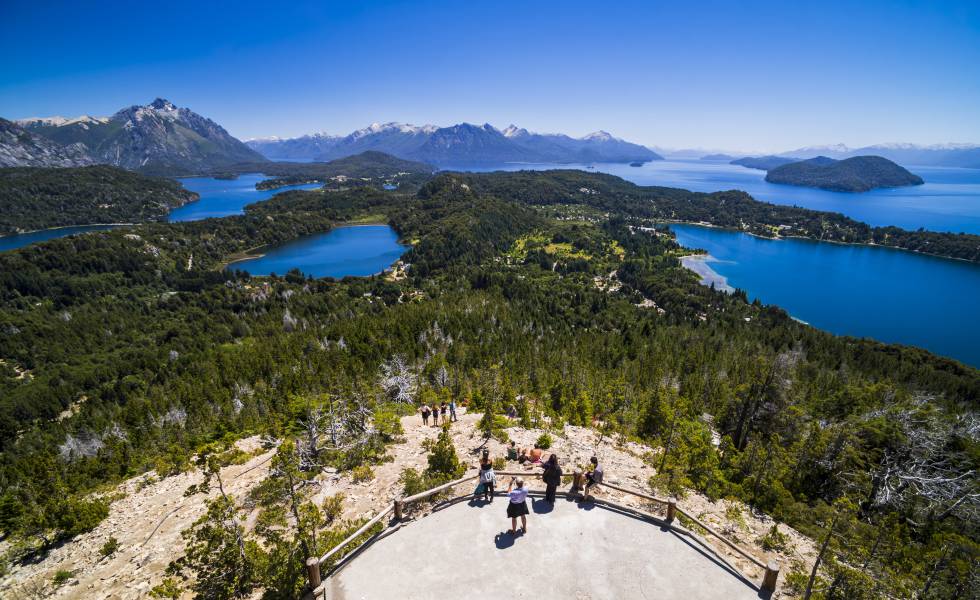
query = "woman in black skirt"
{"x": 517, "y": 506}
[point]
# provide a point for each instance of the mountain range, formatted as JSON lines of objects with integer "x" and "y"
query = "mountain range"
{"x": 937, "y": 155}
{"x": 158, "y": 138}
{"x": 457, "y": 145}
{"x": 20, "y": 148}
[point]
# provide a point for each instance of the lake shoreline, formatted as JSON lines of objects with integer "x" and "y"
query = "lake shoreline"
{"x": 810, "y": 239}
{"x": 9, "y": 235}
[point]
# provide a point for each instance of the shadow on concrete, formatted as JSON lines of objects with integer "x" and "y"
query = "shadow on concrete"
{"x": 504, "y": 540}
{"x": 541, "y": 507}
{"x": 585, "y": 505}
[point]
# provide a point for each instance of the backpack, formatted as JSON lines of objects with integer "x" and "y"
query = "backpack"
{"x": 488, "y": 476}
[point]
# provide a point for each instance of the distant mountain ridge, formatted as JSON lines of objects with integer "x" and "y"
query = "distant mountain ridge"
{"x": 157, "y": 138}
{"x": 937, "y": 155}
{"x": 21, "y": 148}
{"x": 855, "y": 174}
{"x": 763, "y": 163}
{"x": 463, "y": 143}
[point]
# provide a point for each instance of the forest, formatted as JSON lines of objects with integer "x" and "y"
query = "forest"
{"x": 366, "y": 168}
{"x": 117, "y": 359}
{"x": 729, "y": 209}
{"x": 34, "y": 198}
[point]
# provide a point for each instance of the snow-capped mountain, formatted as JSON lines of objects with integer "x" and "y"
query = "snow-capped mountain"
{"x": 158, "y": 137}
{"x": 20, "y": 148}
{"x": 458, "y": 145}
{"x": 909, "y": 155}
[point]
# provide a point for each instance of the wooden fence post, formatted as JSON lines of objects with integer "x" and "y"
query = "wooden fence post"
{"x": 671, "y": 509}
{"x": 772, "y": 574}
{"x": 313, "y": 572}
{"x": 399, "y": 509}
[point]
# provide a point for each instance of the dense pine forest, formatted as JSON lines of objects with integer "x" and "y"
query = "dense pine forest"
{"x": 38, "y": 198}
{"x": 559, "y": 291}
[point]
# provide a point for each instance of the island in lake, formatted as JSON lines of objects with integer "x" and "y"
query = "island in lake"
{"x": 855, "y": 174}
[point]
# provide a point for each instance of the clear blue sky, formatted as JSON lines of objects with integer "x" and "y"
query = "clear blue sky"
{"x": 739, "y": 75}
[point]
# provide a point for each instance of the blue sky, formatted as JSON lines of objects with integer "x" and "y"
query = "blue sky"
{"x": 740, "y": 75}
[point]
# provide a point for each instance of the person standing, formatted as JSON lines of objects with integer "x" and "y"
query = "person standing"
{"x": 425, "y": 410}
{"x": 435, "y": 415}
{"x": 444, "y": 409}
{"x": 593, "y": 478}
{"x": 552, "y": 478}
{"x": 452, "y": 409}
{"x": 487, "y": 476}
{"x": 517, "y": 504}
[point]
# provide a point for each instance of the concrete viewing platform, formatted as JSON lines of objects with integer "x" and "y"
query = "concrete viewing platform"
{"x": 572, "y": 551}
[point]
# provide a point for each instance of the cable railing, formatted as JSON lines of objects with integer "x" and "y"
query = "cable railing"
{"x": 400, "y": 506}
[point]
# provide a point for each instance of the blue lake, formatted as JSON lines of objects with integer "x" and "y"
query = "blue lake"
{"x": 948, "y": 201}
{"x": 218, "y": 198}
{"x": 889, "y": 295}
{"x": 226, "y": 197}
{"x": 11, "y": 242}
{"x": 359, "y": 251}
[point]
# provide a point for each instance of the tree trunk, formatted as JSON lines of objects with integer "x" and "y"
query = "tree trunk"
{"x": 820, "y": 555}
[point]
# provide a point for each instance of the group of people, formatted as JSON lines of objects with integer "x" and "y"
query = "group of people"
{"x": 447, "y": 409}
{"x": 517, "y": 492}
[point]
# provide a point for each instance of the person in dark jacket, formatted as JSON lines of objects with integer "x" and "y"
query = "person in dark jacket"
{"x": 552, "y": 478}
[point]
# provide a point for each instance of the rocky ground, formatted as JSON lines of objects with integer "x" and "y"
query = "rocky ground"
{"x": 148, "y": 519}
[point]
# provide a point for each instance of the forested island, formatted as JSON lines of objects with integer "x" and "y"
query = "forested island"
{"x": 855, "y": 174}
{"x": 120, "y": 357}
{"x": 34, "y": 198}
{"x": 366, "y": 168}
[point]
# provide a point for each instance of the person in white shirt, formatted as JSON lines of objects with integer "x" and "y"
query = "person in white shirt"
{"x": 517, "y": 505}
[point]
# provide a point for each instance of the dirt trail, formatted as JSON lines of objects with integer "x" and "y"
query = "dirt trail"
{"x": 149, "y": 519}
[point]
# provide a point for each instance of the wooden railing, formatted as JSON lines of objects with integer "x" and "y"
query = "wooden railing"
{"x": 398, "y": 507}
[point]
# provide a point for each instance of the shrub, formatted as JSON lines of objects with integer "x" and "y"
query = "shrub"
{"x": 774, "y": 540}
{"x": 734, "y": 514}
{"x": 499, "y": 463}
{"x": 362, "y": 473}
{"x": 109, "y": 547}
{"x": 78, "y": 516}
{"x": 168, "y": 588}
{"x": 443, "y": 459}
{"x": 333, "y": 507}
{"x": 62, "y": 576}
{"x": 544, "y": 441}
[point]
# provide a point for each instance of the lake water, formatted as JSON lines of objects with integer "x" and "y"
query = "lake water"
{"x": 885, "y": 294}
{"x": 948, "y": 201}
{"x": 11, "y": 242}
{"x": 226, "y": 197}
{"x": 358, "y": 251}
{"x": 218, "y": 198}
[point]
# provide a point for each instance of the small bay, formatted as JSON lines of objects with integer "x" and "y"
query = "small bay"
{"x": 226, "y": 197}
{"x": 358, "y": 251}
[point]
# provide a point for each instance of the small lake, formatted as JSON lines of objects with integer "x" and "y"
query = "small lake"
{"x": 226, "y": 197}
{"x": 356, "y": 250}
{"x": 862, "y": 291}
{"x": 12, "y": 242}
{"x": 948, "y": 201}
